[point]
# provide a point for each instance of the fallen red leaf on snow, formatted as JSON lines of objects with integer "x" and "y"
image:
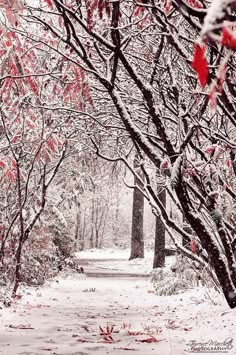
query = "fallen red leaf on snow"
{"x": 106, "y": 331}
{"x": 148, "y": 340}
{"x": 21, "y": 326}
{"x": 130, "y": 349}
{"x": 83, "y": 341}
{"x": 135, "y": 333}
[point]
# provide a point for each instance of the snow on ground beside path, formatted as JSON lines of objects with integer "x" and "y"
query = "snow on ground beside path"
{"x": 63, "y": 319}
{"x": 107, "y": 254}
{"x": 118, "y": 260}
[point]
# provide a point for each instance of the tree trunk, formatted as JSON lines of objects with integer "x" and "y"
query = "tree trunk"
{"x": 137, "y": 243}
{"x": 92, "y": 222}
{"x": 96, "y": 238}
{"x": 115, "y": 225}
{"x": 82, "y": 234}
{"x": 77, "y": 229}
{"x": 217, "y": 258}
{"x": 159, "y": 248}
{"x": 91, "y": 244}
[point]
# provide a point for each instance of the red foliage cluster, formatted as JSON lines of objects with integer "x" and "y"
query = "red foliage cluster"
{"x": 106, "y": 334}
{"x": 139, "y": 10}
{"x": 49, "y": 3}
{"x": 78, "y": 91}
{"x": 195, "y": 3}
{"x": 94, "y": 8}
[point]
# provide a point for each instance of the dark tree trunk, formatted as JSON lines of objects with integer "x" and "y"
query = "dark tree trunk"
{"x": 77, "y": 229}
{"x": 82, "y": 234}
{"x": 159, "y": 248}
{"x": 91, "y": 241}
{"x": 96, "y": 238}
{"x": 217, "y": 259}
{"x": 137, "y": 242}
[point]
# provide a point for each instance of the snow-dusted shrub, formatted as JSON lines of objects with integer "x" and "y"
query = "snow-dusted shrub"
{"x": 61, "y": 233}
{"x": 42, "y": 255}
{"x": 182, "y": 276}
{"x": 5, "y": 294}
{"x": 71, "y": 264}
{"x": 40, "y": 260}
{"x": 167, "y": 282}
{"x": 64, "y": 244}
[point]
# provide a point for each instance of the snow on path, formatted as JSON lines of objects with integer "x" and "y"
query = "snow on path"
{"x": 65, "y": 318}
{"x": 118, "y": 261}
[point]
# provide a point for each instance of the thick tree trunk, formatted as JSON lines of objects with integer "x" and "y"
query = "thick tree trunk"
{"x": 216, "y": 256}
{"x": 159, "y": 248}
{"x": 137, "y": 242}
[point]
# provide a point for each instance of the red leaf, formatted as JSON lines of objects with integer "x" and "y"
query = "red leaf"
{"x": 33, "y": 85}
{"x": 51, "y": 144}
{"x": 2, "y": 164}
{"x": 196, "y": 4}
{"x": 83, "y": 341}
{"x": 130, "y": 349}
{"x": 139, "y": 11}
{"x": 134, "y": 333}
{"x": 108, "y": 339}
{"x": 21, "y": 326}
{"x": 10, "y": 176}
{"x": 193, "y": 245}
{"x": 50, "y": 4}
{"x": 200, "y": 65}
{"x": 228, "y": 39}
{"x": 101, "y": 330}
{"x": 148, "y": 340}
{"x": 210, "y": 149}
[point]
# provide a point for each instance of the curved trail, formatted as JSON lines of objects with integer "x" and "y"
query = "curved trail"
{"x": 64, "y": 318}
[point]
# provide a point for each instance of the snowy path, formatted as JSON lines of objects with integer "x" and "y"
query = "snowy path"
{"x": 64, "y": 319}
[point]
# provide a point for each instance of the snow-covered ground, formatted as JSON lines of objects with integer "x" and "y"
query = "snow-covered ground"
{"x": 106, "y": 254}
{"x": 118, "y": 261}
{"x": 85, "y": 315}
